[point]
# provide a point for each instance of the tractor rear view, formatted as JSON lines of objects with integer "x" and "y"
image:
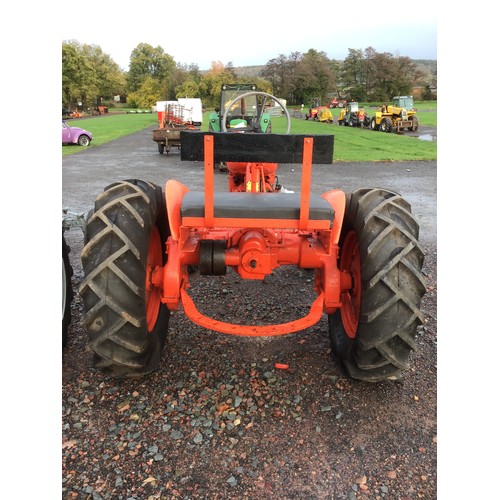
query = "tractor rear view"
{"x": 242, "y": 109}
{"x": 354, "y": 116}
{"x": 144, "y": 241}
{"x": 396, "y": 117}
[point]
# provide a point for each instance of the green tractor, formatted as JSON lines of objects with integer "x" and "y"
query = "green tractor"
{"x": 243, "y": 109}
{"x": 396, "y": 117}
{"x": 242, "y": 115}
{"x": 353, "y": 116}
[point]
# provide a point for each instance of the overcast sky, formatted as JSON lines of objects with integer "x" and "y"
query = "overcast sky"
{"x": 252, "y": 33}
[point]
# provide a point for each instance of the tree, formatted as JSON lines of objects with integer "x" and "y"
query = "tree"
{"x": 188, "y": 89}
{"x": 88, "y": 74}
{"x": 210, "y": 86}
{"x": 291, "y": 79}
{"x": 72, "y": 61}
{"x": 79, "y": 78}
{"x": 230, "y": 69}
{"x": 430, "y": 87}
{"x": 276, "y": 71}
{"x": 148, "y": 61}
{"x": 353, "y": 75}
{"x": 188, "y": 81}
{"x": 375, "y": 76}
{"x": 314, "y": 77}
{"x": 147, "y": 94}
{"x": 110, "y": 79}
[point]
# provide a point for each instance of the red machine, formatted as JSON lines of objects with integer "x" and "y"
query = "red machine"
{"x": 142, "y": 239}
{"x": 171, "y": 120}
{"x": 337, "y": 103}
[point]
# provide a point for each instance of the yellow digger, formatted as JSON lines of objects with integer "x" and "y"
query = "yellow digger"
{"x": 397, "y": 117}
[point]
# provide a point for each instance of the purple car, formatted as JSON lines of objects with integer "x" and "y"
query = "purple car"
{"x": 75, "y": 135}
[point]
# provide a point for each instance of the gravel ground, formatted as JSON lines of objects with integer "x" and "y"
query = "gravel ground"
{"x": 222, "y": 418}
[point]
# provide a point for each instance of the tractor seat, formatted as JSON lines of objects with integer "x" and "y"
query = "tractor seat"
{"x": 283, "y": 206}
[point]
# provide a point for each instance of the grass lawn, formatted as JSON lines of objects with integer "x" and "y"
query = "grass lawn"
{"x": 351, "y": 144}
{"x": 110, "y": 127}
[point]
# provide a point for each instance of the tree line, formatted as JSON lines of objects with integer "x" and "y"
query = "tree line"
{"x": 90, "y": 77}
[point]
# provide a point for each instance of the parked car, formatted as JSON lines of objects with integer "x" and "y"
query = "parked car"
{"x": 75, "y": 135}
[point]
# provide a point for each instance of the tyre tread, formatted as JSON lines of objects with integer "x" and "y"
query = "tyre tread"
{"x": 391, "y": 263}
{"x": 113, "y": 289}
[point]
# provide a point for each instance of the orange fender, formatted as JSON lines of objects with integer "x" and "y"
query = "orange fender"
{"x": 336, "y": 199}
{"x": 174, "y": 192}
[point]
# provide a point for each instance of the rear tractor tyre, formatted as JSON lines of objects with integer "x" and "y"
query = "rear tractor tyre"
{"x": 161, "y": 148}
{"x": 374, "y": 331}
{"x": 67, "y": 291}
{"x": 125, "y": 320}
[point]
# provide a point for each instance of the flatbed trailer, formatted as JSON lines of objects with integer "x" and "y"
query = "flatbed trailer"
{"x": 166, "y": 138}
{"x": 174, "y": 117}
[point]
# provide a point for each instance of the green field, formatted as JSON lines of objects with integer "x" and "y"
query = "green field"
{"x": 351, "y": 144}
{"x": 108, "y": 128}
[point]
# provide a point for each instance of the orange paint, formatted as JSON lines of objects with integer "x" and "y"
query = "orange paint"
{"x": 255, "y": 247}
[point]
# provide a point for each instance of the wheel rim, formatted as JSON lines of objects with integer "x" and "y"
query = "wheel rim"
{"x": 351, "y": 299}
{"x": 153, "y": 292}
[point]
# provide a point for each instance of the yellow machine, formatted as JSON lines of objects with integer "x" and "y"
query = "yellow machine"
{"x": 324, "y": 115}
{"x": 396, "y": 117}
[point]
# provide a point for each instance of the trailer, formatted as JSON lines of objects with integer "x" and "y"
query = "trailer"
{"x": 173, "y": 117}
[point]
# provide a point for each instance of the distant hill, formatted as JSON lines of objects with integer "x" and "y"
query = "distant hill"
{"x": 427, "y": 66}
{"x": 250, "y": 71}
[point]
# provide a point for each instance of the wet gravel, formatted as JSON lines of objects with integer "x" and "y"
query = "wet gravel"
{"x": 229, "y": 417}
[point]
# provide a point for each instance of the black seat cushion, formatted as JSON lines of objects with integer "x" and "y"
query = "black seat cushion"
{"x": 256, "y": 206}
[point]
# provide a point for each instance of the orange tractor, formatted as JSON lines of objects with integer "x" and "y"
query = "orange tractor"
{"x": 319, "y": 113}
{"x": 99, "y": 110}
{"x": 144, "y": 241}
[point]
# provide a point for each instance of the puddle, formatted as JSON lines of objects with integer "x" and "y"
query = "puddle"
{"x": 426, "y": 137}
